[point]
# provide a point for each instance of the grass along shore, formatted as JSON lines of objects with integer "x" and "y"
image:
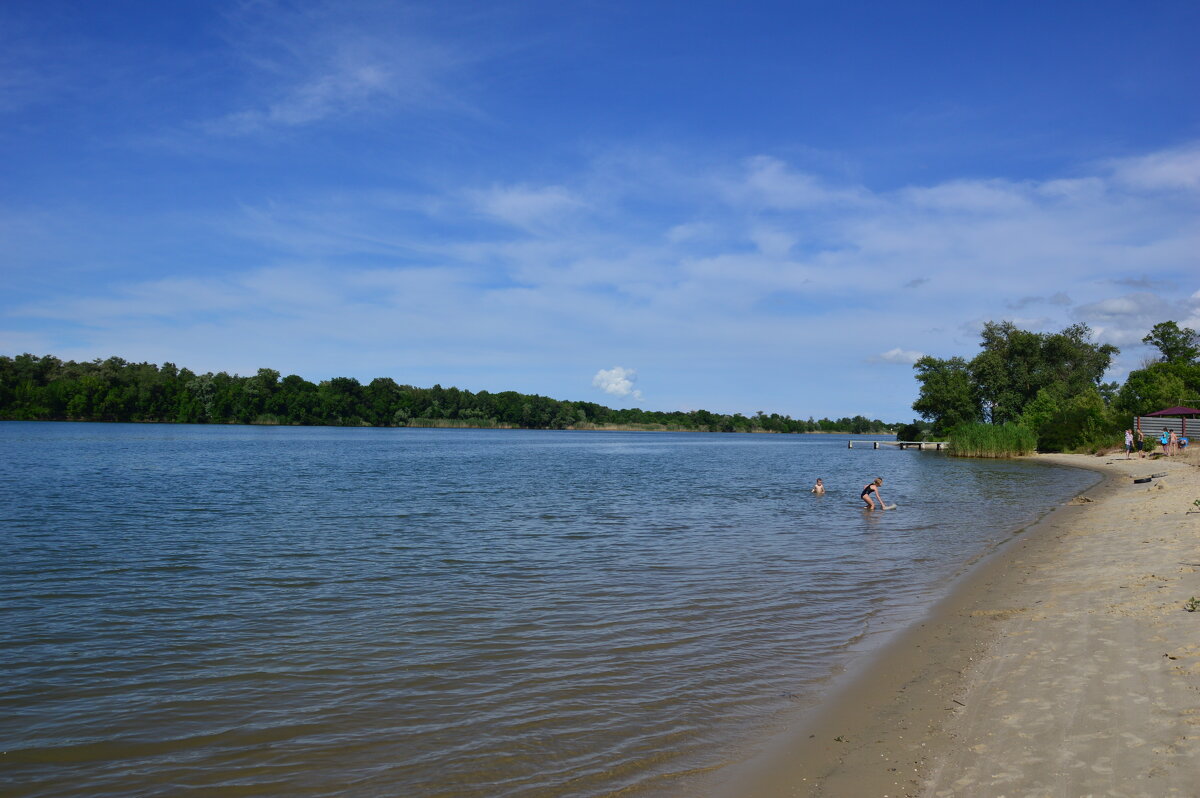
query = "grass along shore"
{"x": 991, "y": 440}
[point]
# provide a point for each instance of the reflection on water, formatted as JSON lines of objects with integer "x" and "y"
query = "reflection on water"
{"x": 448, "y": 612}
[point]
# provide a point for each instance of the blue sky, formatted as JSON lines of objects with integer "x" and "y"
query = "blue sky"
{"x": 737, "y": 207}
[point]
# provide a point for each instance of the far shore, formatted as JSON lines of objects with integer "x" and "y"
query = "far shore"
{"x": 1066, "y": 664}
{"x": 456, "y": 424}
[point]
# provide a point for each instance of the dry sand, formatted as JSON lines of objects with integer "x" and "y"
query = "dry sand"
{"x": 1066, "y": 666}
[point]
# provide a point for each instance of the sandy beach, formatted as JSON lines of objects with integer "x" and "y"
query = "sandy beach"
{"x": 1066, "y": 664}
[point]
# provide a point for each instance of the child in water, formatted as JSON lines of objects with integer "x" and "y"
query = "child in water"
{"x": 819, "y": 488}
{"x": 873, "y": 488}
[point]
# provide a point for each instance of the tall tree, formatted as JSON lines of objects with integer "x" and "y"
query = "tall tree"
{"x": 1175, "y": 344}
{"x": 1159, "y": 386}
{"x": 1016, "y": 364}
{"x": 1007, "y": 374}
{"x": 947, "y": 396}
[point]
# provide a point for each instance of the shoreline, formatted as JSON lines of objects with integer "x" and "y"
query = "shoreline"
{"x": 448, "y": 424}
{"x": 1036, "y": 675}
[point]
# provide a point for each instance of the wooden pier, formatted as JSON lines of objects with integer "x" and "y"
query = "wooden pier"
{"x": 922, "y": 445}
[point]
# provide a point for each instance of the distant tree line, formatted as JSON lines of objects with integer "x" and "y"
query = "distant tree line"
{"x": 1051, "y": 384}
{"x": 49, "y": 389}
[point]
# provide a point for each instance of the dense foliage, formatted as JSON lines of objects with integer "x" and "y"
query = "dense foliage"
{"x": 48, "y": 389}
{"x": 1050, "y": 384}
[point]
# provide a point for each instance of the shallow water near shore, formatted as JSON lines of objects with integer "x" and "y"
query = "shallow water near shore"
{"x": 320, "y": 611}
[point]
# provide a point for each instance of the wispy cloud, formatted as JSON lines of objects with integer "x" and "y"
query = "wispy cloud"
{"x": 327, "y": 61}
{"x": 527, "y": 207}
{"x": 1143, "y": 282}
{"x": 1058, "y": 298}
{"x": 969, "y": 196}
{"x": 770, "y": 183}
{"x": 1174, "y": 169}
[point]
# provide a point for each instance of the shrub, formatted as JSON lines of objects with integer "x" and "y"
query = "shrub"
{"x": 1079, "y": 423}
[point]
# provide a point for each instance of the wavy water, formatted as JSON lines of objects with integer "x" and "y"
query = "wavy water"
{"x": 317, "y": 611}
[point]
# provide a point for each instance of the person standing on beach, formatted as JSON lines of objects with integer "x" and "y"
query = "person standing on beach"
{"x": 1165, "y": 440}
{"x": 1128, "y": 444}
{"x": 1173, "y": 444}
{"x": 1141, "y": 443}
{"x": 819, "y": 488}
{"x": 873, "y": 488}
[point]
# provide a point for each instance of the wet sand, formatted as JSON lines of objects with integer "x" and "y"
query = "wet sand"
{"x": 1065, "y": 665}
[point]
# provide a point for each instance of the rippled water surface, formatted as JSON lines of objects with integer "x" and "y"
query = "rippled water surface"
{"x": 317, "y": 611}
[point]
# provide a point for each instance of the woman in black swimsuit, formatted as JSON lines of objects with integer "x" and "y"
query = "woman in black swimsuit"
{"x": 872, "y": 488}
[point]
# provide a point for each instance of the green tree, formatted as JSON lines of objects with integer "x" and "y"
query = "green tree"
{"x": 1175, "y": 345}
{"x": 383, "y": 401}
{"x": 1071, "y": 359}
{"x": 947, "y": 396}
{"x": 1006, "y": 374}
{"x": 259, "y": 393}
{"x": 1081, "y": 421}
{"x": 1044, "y": 407}
{"x": 1016, "y": 364}
{"x": 1158, "y": 386}
{"x": 201, "y": 392}
{"x": 341, "y": 401}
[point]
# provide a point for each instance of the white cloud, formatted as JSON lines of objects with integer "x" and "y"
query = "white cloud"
{"x": 1073, "y": 189}
{"x": 527, "y": 207}
{"x": 691, "y": 231}
{"x": 1171, "y": 169}
{"x": 617, "y": 381}
{"x": 969, "y": 196}
{"x": 768, "y": 182}
{"x": 772, "y": 243}
{"x": 1118, "y": 308}
{"x": 344, "y": 88}
{"x": 1124, "y": 320}
{"x": 900, "y": 356}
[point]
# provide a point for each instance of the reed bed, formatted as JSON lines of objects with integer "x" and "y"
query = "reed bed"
{"x": 631, "y": 427}
{"x": 458, "y": 423}
{"x": 991, "y": 440}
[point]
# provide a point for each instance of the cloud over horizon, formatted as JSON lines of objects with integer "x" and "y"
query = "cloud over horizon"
{"x": 617, "y": 381}
{"x": 744, "y": 287}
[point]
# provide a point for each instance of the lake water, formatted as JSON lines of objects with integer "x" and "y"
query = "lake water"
{"x": 321, "y": 611}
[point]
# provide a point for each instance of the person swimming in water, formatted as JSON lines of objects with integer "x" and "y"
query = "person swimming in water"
{"x": 872, "y": 488}
{"x": 819, "y": 488}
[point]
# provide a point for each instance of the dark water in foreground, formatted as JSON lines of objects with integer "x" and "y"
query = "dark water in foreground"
{"x": 291, "y": 611}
